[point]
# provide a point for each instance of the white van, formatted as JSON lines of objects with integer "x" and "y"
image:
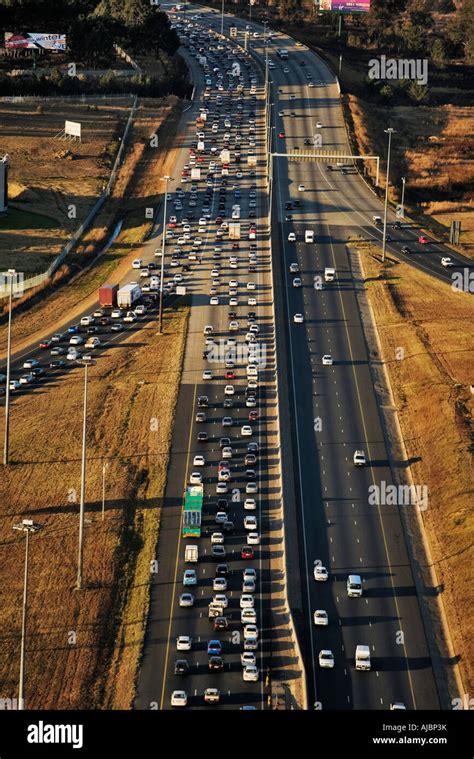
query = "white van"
{"x": 309, "y": 235}
{"x": 362, "y": 658}
{"x": 329, "y": 274}
{"x": 354, "y": 586}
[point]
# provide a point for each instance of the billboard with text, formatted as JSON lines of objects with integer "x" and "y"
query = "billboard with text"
{"x": 35, "y": 41}
{"x": 344, "y": 6}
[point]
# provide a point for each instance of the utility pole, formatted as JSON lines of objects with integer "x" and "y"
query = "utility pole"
{"x": 222, "y": 18}
{"x": 160, "y": 313}
{"x": 403, "y": 197}
{"x": 105, "y": 466}
{"x": 388, "y": 131}
{"x": 80, "y": 557}
{"x": 11, "y": 273}
{"x": 26, "y": 526}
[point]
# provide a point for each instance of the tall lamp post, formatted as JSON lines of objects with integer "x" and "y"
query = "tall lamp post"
{"x": 403, "y": 197}
{"x": 105, "y": 466}
{"x": 160, "y": 313}
{"x": 80, "y": 557}
{"x": 26, "y": 526}
{"x": 222, "y": 18}
{"x": 11, "y": 274}
{"x": 388, "y": 131}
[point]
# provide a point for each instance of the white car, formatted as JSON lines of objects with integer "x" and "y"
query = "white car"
{"x": 73, "y": 354}
{"x": 195, "y": 478}
{"x": 233, "y": 283}
{"x": 247, "y": 601}
{"x": 250, "y": 674}
{"x": 212, "y": 696}
{"x": 326, "y": 659}
{"x": 246, "y": 430}
{"x": 320, "y": 573}
{"x": 229, "y": 390}
{"x": 292, "y": 237}
{"x": 116, "y": 313}
{"x": 250, "y": 504}
{"x": 250, "y": 522}
{"x": 250, "y": 631}
{"x": 320, "y": 617}
{"x": 184, "y": 643}
{"x": 251, "y": 286}
{"x": 301, "y": 188}
{"x": 189, "y": 577}
{"x": 186, "y": 599}
{"x": 397, "y": 706}
{"x": 446, "y": 262}
{"x": 179, "y": 698}
{"x": 248, "y": 616}
{"x": 221, "y": 598}
{"x": 207, "y": 374}
{"x": 219, "y": 583}
{"x": 248, "y": 659}
{"x": 226, "y": 452}
{"x": 251, "y": 488}
{"x": 253, "y": 539}
{"x": 297, "y": 282}
{"x": 75, "y": 340}
{"x": 214, "y": 301}
{"x": 199, "y": 460}
{"x": 359, "y": 458}
{"x": 140, "y": 310}
{"x": 327, "y": 360}
{"x": 298, "y": 318}
{"x": 319, "y": 125}
{"x": 252, "y": 301}
{"x": 137, "y": 263}
{"x": 129, "y": 317}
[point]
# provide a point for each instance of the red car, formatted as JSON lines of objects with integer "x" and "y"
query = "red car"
{"x": 253, "y": 415}
{"x": 281, "y": 134}
{"x": 219, "y": 220}
{"x": 45, "y": 344}
{"x": 235, "y": 246}
{"x": 172, "y": 225}
{"x": 424, "y": 240}
{"x": 230, "y": 375}
{"x": 247, "y": 552}
{"x": 200, "y": 159}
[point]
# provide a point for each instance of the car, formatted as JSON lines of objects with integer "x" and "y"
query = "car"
{"x": 253, "y": 539}
{"x": 221, "y": 598}
{"x": 423, "y": 240}
{"x": 57, "y": 337}
{"x": 320, "y": 617}
{"x": 217, "y": 538}
{"x": 199, "y": 460}
{"x": 250, "y": 504}
{"x": 219, "y": 583}
{"x": 326, "y": 659}
{"x": 216, "y": 663}
{"x": 207, "y": 374}
{"x": 447, "y": 262}
{"x": 248, "y": 659}
{"x": 179, "y": 698}
{"x": 320, "y": 573}
{"x": 246, "y": 430}
{"x": 224, "y": 442}
{"x": 214, "y": 647}
{"x": 137, "y": 263}
{"x": 281, "y": 135}
{"x": 250, "y": 674}
{"x": 359, "y": 458}
{"x": 319, "y": 125}
{"x": 247, "y": 601}
{"x": 291, "y": 237}
{"x": 202, "y": 437}
{"x": 31, "y": 363}
{"x": 200, "y": 417}
{"x": 186, "y": 599}
{"x": 220, "y": 517}
{"x": 25, "y": 379}
{"x": 406, "y": 249}
{"x": 227, "y": 421}
{"x": 297, "y": 282}
{"x": 222, "y": 570}
{"x": 117, "y": 313}
{"x": 195, "y": 478}
{"x": 247, "y": 552}
{"x": 250, "y": 522}
{"x": 327, "y": 360}
{"x": 250, "y": 631}
{"x": 214, "y": 300}
{"x": 58, "y": 364}
{"x": 397, "y": 706}
{"x": 294, "y": 268}
{"x": 45, "y": 344}
{"x": 229, "y": 390}
{"x": 252, "y": 301}
{"x": 218, "y": 551}
{"x": 189, "y": 577}
{"x": 181, "y": 667}
{"x": 221, "y": 623}
{"x": 301, "y": 188}
{"x": 298, "y": 318}
{"x": 212, "y": 696}
{"x": 222, "y": 488}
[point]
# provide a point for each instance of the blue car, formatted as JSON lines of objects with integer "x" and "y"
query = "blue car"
{"x": 214, "y": 647}
{"x": 73, "y": 329}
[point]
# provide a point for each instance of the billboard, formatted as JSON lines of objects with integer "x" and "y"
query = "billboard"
{"x": 35, "y": 41}
{"x": 344, "y": 6}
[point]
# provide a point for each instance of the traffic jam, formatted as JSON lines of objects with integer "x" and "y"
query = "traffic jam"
{"x": 216, "y": 208}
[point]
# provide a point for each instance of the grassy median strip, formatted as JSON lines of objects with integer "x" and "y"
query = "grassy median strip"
{"x": 427, "y": 342}
{"x": 84, "y": 646}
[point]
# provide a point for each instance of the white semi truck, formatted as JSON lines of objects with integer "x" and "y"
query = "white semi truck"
{"x": 128, "y": 295}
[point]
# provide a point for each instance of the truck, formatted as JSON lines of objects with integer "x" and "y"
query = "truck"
{"x": 362, "y": 658}
{"x": 191, "y": 554}
{"x": 234, "y": 231}
{"x": 215, "y": 610}
{"x": 108, "y": 295}
{"x": 128, "y": 295}
{"x": 233, "y": 31}
{"x": 283, "y": 54}
{"x": 192, "y": 511}
{"x": 329, "y": 274}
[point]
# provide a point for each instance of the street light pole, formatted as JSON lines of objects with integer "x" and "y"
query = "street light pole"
{"x": 26, "y": 526}
{"x": 388, "y": 131}
{"x": 105, "y": 466}
{"x": 160, "y": 313}
{"x": 403, "y": 197}
{"x": 80, "y": 558}
{"x": 222, "y": 19}
{"x": 11, "y": 273}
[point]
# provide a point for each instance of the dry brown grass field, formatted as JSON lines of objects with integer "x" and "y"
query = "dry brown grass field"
{"x": 431, "y": 386}
{"x": 83, "y": 646}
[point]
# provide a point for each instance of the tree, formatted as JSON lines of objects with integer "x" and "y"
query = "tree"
{"x": 438, "y": 52}
{"x": 461, "y": 29}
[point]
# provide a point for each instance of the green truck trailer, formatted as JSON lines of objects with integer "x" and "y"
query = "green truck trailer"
{"x": 192, "y": 512}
